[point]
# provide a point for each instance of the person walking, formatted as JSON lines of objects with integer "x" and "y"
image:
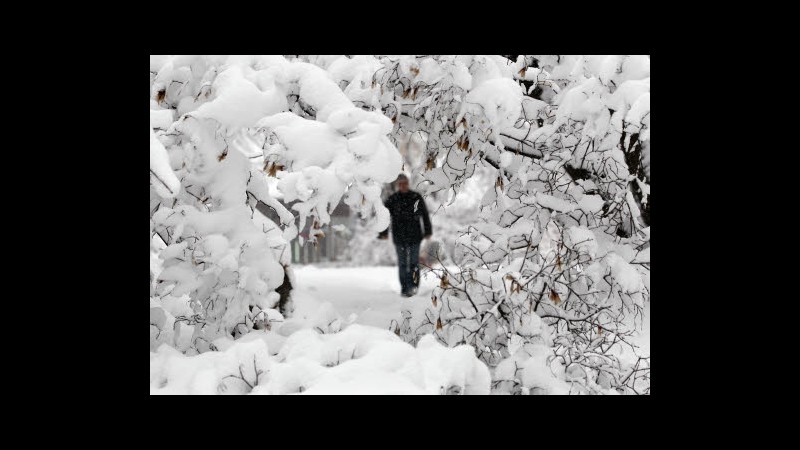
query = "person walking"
{"x": 406, "y": 209}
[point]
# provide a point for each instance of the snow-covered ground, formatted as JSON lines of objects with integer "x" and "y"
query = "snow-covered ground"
{"x": 370, "y": 296}
{"x": 338, "y": 341}
{"x": 373, "y": 295}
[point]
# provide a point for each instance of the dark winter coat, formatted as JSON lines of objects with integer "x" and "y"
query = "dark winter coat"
{"x": 406, "y": 210}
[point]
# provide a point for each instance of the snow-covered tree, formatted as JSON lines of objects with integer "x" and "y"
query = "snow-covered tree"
{"x": 221, "y": 263}
{"x": 563, "y": 239}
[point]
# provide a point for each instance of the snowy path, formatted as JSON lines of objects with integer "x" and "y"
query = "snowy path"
{"x": 373, "y": 295}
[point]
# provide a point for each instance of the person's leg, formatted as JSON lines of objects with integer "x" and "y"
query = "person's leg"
{"x": 402, "y": 265}
{"x": 409, "y": 270}
{"x": 414, "y": 265}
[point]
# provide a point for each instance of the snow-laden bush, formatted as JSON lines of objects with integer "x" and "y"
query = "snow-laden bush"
{"x": 551, "y": 277}
{"x": 358, "y": 360}
{"x": 221, "y": 259}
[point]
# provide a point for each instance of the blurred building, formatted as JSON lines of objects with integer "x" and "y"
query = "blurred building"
{"x": 327, "y": 249}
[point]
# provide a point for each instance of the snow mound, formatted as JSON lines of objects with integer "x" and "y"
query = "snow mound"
{"x": 359, "y": 360}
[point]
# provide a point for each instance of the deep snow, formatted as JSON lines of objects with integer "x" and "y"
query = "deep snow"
{"x": 373, "y": 295}
{"x": 338, "y": 341}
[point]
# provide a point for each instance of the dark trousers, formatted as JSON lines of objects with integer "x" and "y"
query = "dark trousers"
{"x": 407, "y": 265}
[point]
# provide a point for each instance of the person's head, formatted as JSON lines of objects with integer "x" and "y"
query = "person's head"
{"x": 402, "y": 183}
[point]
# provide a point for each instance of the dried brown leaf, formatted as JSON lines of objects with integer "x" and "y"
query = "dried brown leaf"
{"x": 273, "y": 169}
{"x": 430, "y": 163}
